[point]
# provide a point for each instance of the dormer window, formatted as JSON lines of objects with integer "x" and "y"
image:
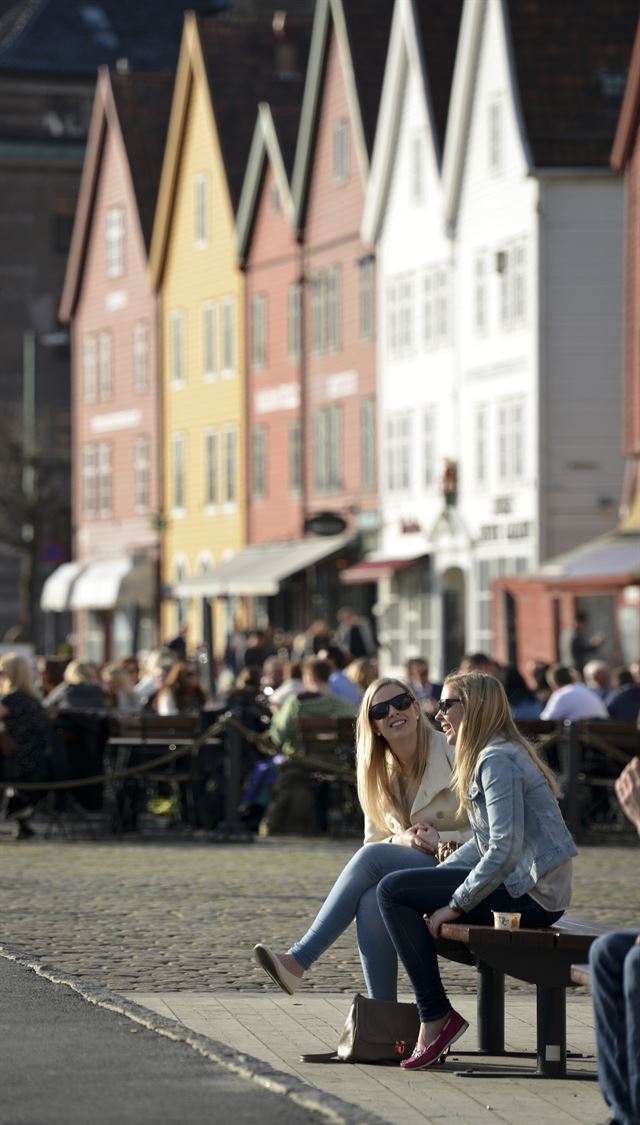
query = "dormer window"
{"x": 417, "y": 167}
{"x": 115, "y": 242}
{"x": 340, "y": 151}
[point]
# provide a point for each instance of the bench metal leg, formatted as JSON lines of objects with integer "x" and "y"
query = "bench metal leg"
{"x": 490, "y": 1009}
{"x": 552, "y": 1032}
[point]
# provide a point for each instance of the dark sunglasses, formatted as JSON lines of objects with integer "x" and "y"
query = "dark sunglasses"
{"x": 400, "y": 702}
{"x": 445, "y": 704}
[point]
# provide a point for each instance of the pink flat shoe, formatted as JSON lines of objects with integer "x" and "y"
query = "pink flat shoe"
{"x": 453, "y": 1027}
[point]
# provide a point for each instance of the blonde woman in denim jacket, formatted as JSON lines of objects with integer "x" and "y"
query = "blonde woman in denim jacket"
{"x": 404, "y": 770}
{"x": 518, "y": 860}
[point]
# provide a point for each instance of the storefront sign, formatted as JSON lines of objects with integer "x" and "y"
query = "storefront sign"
{"x": 325, "y": 523}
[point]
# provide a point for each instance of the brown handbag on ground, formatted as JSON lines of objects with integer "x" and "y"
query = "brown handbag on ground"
{"x": 375, "y": 1031}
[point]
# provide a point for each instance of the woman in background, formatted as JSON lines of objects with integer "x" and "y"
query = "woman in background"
{"x": 25, "y": 739}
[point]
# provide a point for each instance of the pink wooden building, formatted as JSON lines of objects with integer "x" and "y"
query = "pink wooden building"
{"x": 112, "y": 584}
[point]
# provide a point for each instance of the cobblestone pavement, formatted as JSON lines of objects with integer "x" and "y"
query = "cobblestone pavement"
{"x": 155, "y": 916}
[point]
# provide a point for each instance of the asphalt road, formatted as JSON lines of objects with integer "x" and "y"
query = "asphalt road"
{"x": 68, "y": 1062}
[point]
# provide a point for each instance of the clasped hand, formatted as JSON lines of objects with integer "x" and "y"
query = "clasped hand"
{"x": 424, "y": 837}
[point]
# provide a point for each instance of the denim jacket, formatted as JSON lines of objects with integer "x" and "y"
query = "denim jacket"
{"x": 519, "y": 833}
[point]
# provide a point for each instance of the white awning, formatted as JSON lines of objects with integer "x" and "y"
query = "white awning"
{"x": 259, "y": 570}
{"x": 57, "y": 588}
{"x": 115, "y": 584}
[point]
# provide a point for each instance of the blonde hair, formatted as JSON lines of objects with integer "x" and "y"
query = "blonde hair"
{"x": 376, "y": 767}
{"x": 487, "y": 717}
{"x": 18, "y": 673}
{"x": 81, "y": 672}
{"x": 362, "y": 671}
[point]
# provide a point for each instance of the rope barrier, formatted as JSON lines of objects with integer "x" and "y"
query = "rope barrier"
{"x": 261, "y": 741}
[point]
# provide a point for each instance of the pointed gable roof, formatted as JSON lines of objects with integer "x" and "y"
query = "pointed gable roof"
{"x": 363, "y": 40}
{"x": 424, "y": 36}
{"x": 240, "y": 63}
{"x": 629, "y": 120}
{"x": 568, "y": 63}
{"x": 137, "y": 105}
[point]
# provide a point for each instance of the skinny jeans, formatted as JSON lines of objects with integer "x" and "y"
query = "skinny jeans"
{"x": 405, "y": 896}
{"x": 615, "y": 984}
{"x": 353, "y": 895}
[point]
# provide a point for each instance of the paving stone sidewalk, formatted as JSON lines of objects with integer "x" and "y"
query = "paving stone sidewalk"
{"x": 163, "y": 916}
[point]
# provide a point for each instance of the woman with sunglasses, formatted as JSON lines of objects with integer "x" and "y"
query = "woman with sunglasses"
{"x": 404, "y": 772}
{"x": 518, "y": 860}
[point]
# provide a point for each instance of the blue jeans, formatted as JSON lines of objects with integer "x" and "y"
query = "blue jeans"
{"x": 406, "y": 895}
{"x": 353, "y": 895}
{"x": 615, "y": 977}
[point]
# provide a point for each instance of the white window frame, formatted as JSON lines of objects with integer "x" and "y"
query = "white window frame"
{"x": 209, "y": 341}
{"x": 368, "y": 443}
{"x": 481, "y": 445}
{"x": 430, "y": 453}
{"x": 258, "y": 331}
{"x": 140, "y": 356}
{"x": 105, "y": 365}
{"x": 114, "y": 238}
{"x": 398, "y": 451}
{"x": 511, "y": 442}
{"x": 294, "y": 322}
{"x": 228, "y": 334}
{"x": 513, "y": 284}
{"x": 367, "y": 300}
{"x": 495, "y": 134}
{"x": 89, "y": 482}
{"x": 201, "y": 209}
{"x": 141, "y": 473}
{"x": 418, "y": 162}
{"x": 211, "y": 470}
{"x": 177, "y": 375}
{"x": 480, "y": 293}
{"x": 328, "y": 449}
{"x": 90, "y": 368}
{"x": 259, "y": 462}
{"x": 230, "y": 455}
{"x": 178, "y": 474}
{"x": 105, "y": 480}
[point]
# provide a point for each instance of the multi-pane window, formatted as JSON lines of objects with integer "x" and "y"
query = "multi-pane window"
{"x": 176, "y": 347}
{"x": 496, "y": 138}
{"x": 340, "y": 150}
{"x": 141, "y": 474}
{"x": 405, "y": 314}
{"x": 435, "y": 307}
{"x": 367, "y": 298}
{"x": 228, "y": 337}
{"x": 328, "y": 448}
{"x": 480, "y": 318}
{"x": 488, "y": 569}
{"x": 258, "y": 330}
{"x": 325, "y": 310}
{"x": 294, "y": 322}
{"x": 511, "y": 442}
{"x": 89, "y": 480}
{"x": 430, "y": 447}
{"x": 178, "y": 472}
{"x": 230, "y": 464}
{"x": 511, "y": 261}
{"x": 140, "y": 356}
{"x": 209, "y": 340}
{"x": 368, "y": 443}
{"x": 398, "y": 452}
{"x": 211, "y": 468}
{"x": 391, "y": 309}
{"x": 90, "y": 368}
{"x": 481, "y": 445}
{"x": 105, "y": 476}
{"x": 105, "y": 373}
{"x": 200, "y": 206}
{"x": 115, "y": 241}
{"x": 295, "y": 457}
{"x": 259, "y": 462}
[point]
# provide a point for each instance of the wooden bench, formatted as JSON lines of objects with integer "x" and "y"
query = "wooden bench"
{"x": 544, "y": 957}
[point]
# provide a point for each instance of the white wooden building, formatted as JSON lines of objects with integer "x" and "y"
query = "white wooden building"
{"x": 500, "y": 309}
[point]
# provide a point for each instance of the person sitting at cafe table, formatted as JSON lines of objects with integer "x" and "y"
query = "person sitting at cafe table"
{"x": 181, "y": 693}
{"x": 24, "y": 739}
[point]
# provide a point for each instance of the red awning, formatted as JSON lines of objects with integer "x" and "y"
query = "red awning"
{"x": 371, "y": 570}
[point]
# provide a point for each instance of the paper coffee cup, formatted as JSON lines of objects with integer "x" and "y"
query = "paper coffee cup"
{"x": 504, "y": 920}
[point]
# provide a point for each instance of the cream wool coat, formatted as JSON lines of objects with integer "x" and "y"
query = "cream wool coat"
{"x": 435, "y": 803}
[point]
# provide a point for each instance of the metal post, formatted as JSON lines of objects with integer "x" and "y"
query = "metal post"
{"x": 232, "y": 830}
{"x": 552, "y": 1032}
{"x": 490, "y": 1010}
